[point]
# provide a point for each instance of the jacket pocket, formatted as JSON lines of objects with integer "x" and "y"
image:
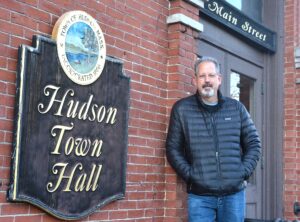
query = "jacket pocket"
{"x": 243, "y": 171}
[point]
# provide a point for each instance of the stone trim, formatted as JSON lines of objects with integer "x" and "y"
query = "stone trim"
{"x": 181, "y": 18}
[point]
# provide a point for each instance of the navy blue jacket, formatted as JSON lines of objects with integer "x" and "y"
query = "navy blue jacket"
{"x": 213, "y": 148}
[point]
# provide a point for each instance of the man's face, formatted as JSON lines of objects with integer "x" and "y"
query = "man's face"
{"x": 207, "y": 81}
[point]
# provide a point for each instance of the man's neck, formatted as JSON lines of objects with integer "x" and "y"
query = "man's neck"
{"x": 210, "y": 102}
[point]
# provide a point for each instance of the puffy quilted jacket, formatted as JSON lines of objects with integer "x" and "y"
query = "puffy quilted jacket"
{"x": 213, "y": 148}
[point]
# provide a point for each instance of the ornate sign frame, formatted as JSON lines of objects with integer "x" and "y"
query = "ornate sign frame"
{"x": 70, "y": 140}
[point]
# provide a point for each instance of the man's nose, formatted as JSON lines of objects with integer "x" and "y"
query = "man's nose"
{"x": 207, "y": 79}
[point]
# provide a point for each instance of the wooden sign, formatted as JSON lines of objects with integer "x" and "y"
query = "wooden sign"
{"x": 71, "y": 129}
{"x": 244, "y": 26}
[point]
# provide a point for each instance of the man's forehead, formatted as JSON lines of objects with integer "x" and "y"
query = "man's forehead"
{"x": 207, "y": 65}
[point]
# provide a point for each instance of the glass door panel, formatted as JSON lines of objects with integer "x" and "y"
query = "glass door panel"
{"x": 242, "y": 89}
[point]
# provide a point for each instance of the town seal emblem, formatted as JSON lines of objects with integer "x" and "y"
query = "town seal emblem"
{"x": 80, "y": 46}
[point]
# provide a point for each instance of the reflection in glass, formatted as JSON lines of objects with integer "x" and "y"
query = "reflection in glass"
{"x": 235, "y": 3}
{"x": 241, "y": 89}
{"x": 252, "y": 8}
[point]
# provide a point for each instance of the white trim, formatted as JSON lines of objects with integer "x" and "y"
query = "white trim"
{"x": 181, "y": 18}
{"x": 297, "y": 58}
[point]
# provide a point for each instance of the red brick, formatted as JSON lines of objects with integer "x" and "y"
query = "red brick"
{"x": 23, "y": 20}
{"x": 11, "y": 88}
{"x": 7, "y": 219}
{"x": 115, "y": 13}
{"x": 136, "y": 32}
{"x": 98, "y": 216}
{"x": 16, "y": 6}
{"x": 16, "y": 42}
{"x": 3, "y": 62}
{"x": 38, "y": 14}
{"x": 11, "y": 28}
{"x": 45, "y": 28}
{"x": 48, "y": 218}
{"x": 12, "y": 63}
{"x": 9, "y": 113}
{"x": 136, "y": 214}
{"x": 8, "y": 51}
{"x": 6, "y": 125}
{"x": 8, "y": 137}
{"x": 31, "y": 218}
{"x": 14, "y": 209}
{"x": 5, "y": 149}
{"x": 113, "y": 215}
{"x": 4, "y": 38}
{"x": 50, "y": 7}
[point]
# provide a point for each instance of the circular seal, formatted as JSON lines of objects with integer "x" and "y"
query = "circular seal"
{"x": 80, "y": 46}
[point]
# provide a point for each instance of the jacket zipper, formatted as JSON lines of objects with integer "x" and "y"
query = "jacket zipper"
{"x": 216, "y": 144}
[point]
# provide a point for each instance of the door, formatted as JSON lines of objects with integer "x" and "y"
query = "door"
{"x": 242, "y": 80}
{"x": 244, "y": 84}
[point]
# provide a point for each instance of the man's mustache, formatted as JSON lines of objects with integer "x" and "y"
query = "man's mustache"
{"x": 207, "y": 85}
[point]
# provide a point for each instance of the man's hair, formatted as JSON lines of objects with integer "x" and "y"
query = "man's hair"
{"x": 206, "y": 59}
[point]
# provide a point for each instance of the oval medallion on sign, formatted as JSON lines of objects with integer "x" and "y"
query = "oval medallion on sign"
{"x": 80, "y": 46}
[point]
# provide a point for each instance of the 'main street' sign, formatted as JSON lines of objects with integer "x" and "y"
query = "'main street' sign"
{"x": 71, "y": 123}
{"x": 246, "y": 27}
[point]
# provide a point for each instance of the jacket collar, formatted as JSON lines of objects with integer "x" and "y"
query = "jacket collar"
{"x": 208, "y": 108}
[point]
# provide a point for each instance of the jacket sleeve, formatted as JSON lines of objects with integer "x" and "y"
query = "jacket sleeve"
{"x": 175, "y": 146}
{"x": 250, "y": 142}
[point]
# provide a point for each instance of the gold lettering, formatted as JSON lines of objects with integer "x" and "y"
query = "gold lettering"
{"x": 91, "y": 184}
{"x": 47, "y": 92}
{"x": 248, "y": 28}
{"x": 214, "y": 7}
{"x": 95, "y": 106}
{"x": 96, "y": 178}
{"x": 62, "y": 131}
{"x": 82, "y": 146}
{"x": 101, "y": 114}
{"x": 97, "y": 148}
{"x": 245, "y": 26}
{"x": 69, "y": 146}
{"x": 76, "y": 109}
{"x": 81, "y": 183}
{"x": 85, "y": 108}
{"x": 72, "y": 110}
{"x": 62, "y": 176}
{"x": 112, "y": 112}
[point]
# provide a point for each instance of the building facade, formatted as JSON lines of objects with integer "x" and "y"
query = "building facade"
{"x": 158, "y": 42}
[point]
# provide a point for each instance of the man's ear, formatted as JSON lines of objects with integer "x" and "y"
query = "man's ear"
{"x": 194, "y": 81}
{"x": 220, "y": 79}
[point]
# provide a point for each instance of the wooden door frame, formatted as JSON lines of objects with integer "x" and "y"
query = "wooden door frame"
{"x": 235, "y": 64}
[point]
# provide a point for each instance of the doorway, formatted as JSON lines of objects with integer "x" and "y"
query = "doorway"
{"x": 242, "y": 80}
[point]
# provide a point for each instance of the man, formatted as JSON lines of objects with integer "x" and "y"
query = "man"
{"x": 213, "y": 145}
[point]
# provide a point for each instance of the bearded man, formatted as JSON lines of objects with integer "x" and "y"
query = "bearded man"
{"x": 213, "y": 145}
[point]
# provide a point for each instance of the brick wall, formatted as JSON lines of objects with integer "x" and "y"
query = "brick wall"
{"x": 182, "y": 54}
{"x": 291, "y": 110}
{"x": 157, "y": 57}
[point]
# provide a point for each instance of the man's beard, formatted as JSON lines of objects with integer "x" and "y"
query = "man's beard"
{"x": 207, "y": 91}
